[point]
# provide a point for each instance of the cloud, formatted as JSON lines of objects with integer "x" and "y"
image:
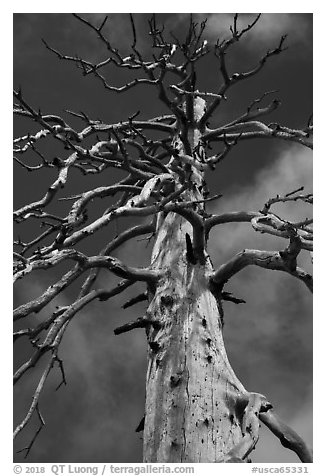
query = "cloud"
{"x": 268, "y": 30}
{"x": 291, "y": 170}
{"x": 269, "y": 339}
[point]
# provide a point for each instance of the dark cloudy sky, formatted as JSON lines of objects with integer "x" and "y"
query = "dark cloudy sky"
{"x": 268, "y": 340}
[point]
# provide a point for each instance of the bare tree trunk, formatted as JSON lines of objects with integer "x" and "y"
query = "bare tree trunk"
{"x": 191, "y": 389}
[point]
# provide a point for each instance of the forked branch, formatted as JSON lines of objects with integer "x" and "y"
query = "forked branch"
{"x": 287, "y": 436}
{"x": 273, "y": 260}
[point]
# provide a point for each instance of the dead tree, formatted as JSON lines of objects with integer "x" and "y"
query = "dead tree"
{"x": 197, "y": 410}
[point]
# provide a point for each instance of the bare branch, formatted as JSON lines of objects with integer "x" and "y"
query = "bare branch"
{"x": 287, "y": 436}
{"x": 289, "y": 197}
{"x": 115, "y": 243}
{"x": 58, "y": 325}
{"x": 266, "y": 133}
{"x": 127, "y": 210}
{"x": 133, "y": 31}
{"x": 229, "y": 81}
{"x": 100, "y": 34}
{"x": 264, "y": 223}
{"x": 36, "y": 395}
{"x": 229, "y": 297}
{"x": 135, "y": 300}
{"x": 99, "y": 126}
{"x": 108, "y": 262}
{"x": 140, "y": 323}
{"x": 59, "y": 183}
{"x": 231, "y": 217}
{"x": 42, "y": 424}
{"x": 37, "y": 304}
{"x": 99, "y": 192}
{"x": 265, "y": 259}
{"x": 273, "y": 225}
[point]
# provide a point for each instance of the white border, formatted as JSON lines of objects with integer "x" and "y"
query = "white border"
{"x": 275, "y": 6}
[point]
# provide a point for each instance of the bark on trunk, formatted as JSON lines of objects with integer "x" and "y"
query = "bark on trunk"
{"x": 191, "y": 391}
{"x": 192, "y": 412}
